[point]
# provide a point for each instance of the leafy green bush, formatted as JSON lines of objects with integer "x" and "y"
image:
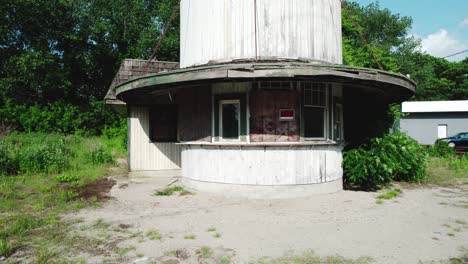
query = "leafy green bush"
{"x": 60, "y": 117}
{"x": 117, "y": 132}
{"x": 442, "y": 150}
{"x": 9, "y": 164}
{"x": 391, "y": 157}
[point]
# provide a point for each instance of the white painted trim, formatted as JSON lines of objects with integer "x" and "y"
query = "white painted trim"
{"x": 435, "y": 106}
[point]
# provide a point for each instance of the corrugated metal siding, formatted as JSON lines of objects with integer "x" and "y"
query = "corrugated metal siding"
{"x": 145, "y": 155}
{"x": 271, "y": 166}
{"x": 224, "y": 30}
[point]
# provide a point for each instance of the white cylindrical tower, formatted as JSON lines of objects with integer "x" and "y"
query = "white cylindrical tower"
{"x": 229, "y": 30}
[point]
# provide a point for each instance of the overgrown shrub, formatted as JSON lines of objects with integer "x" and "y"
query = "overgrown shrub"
{"x": 117, "y": 132}
{"x": 99, "y": 155}
{"x": 9, "y": 164}
{"x": 381, "y": 160}
{"x": 442, "y": 150}
{"x": 459, "y": 164}
{"x": 44, "y": 154}
{"x": 60, "y": 117}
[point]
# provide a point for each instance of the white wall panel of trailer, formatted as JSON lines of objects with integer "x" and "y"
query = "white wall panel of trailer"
{"x": 226, "y": 30}
{"x": 144, "y": 154}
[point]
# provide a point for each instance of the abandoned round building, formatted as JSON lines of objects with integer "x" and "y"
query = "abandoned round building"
{"x": 261, "y": 106}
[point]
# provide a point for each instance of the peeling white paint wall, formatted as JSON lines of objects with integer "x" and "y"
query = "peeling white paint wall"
{"x": 224, "y": 30}
{"x": 267, "y": 166}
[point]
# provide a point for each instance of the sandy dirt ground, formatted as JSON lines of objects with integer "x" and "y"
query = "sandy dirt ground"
{"x": 421, "y": 226}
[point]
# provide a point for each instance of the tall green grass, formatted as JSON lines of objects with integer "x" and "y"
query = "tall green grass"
{"x": 39, "y": 174}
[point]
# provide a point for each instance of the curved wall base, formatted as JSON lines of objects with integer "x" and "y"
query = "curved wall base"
{"x": 262, "y": 191}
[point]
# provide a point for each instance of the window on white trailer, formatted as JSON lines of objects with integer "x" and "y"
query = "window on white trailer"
{"x": 229, "y": 113}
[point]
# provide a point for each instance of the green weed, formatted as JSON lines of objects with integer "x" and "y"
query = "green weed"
{"x": 190, "y": 237}
{"x": 153, "y": 234}
{"x": 169, "y": 191}
{"x": 390, "y": 194}
{"x": 211, "y": 229}
{"x": 205, "y": 252}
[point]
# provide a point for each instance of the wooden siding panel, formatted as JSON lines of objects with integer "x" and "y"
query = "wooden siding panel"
{"x": 146, "y": 155}
{"x": 264, "y": 111}
{"x": 194, "y": 114}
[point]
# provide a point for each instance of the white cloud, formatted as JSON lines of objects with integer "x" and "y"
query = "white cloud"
{"x": 442, "y": 43}
{"x": 464, "y": 23}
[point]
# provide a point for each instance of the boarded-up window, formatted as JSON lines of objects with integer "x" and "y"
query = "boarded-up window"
{"x": 266, "y": 124}
{"x": 163, "y": 123}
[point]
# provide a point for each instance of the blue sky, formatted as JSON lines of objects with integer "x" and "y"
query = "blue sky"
{"x": 442, "y": 25}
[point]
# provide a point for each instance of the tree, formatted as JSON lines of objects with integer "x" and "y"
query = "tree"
{"x": 70, "y": 49}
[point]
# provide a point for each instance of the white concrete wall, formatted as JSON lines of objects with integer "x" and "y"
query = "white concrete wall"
{"x": 262, "y": 165}
{"x": 145, "y": 155}
{"x": 224, "y": 30}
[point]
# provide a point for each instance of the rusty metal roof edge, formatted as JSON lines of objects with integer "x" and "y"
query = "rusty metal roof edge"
{"x": 222, "y": 71}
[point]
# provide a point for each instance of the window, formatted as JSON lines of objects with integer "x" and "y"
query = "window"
{"x": 229, "y": 119}
{"x": 314, "y": 111}
{"x": 273, "y": 85}
{"x": 338, "y": 125}
{"x": 163, "y": 123}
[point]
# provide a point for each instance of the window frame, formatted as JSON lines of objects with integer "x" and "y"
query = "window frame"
{"x": 244, "y": 116}
{"x": 325, "y": 108}
{"x": 221, "y": 103}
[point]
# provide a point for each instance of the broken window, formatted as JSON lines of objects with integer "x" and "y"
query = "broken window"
{"x": 163, "y": 123}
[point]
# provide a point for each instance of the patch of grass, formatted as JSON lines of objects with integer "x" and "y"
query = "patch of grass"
{"x": 126, "y": 250}
{"x": 458, "y": 229}
{"x": 390, "y": 194}
{"x": 190, "y": 237}
{"x": 153, "y": 234}
{"x": 211, "y": 229}
{"x": 100, "y": 223}
{"x": 451, "y": 234}
{"x": 435, "y": 238}
{"x": 205, "y": 252}
{"x": 379, "y": 201}
{"x": 311, "y": 257}
{"x": 225, "y": 260}
{"x": 5, "y": 248}
{"x": 45, "y": 255}
{"x": 447, "y": 171}
{"x": 443, "y": 203}
{"x": 447, "y": 225}
{"x": 169, "y": 191}
{"x": 460, "y": 222}
{"x": 46, "y": 177}
{"x": 217, "y": 235}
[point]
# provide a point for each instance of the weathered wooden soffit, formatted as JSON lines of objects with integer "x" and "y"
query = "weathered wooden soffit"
{"x": 131, "y": 68}
{"x": 388, "y": 84}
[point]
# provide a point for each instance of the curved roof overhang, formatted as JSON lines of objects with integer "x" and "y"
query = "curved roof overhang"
{"x": 395, "y": 86}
